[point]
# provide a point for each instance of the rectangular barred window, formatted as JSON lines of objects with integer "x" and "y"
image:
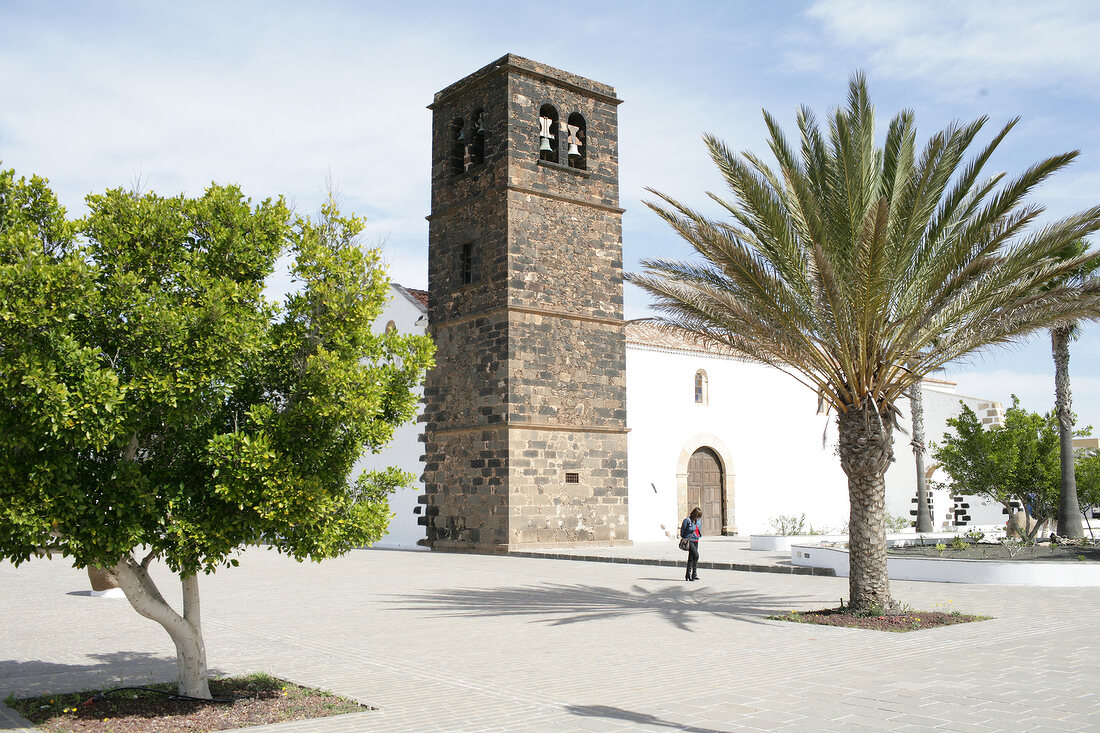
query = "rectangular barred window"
{"x": 572, "y": 478}
{"x": 467, "y": 263}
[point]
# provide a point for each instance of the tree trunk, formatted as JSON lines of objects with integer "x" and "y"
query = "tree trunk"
{"x": 186, "y": 631}
{"x": 916, "y": 403}
{"x": 866, "y": 450}
{"x": 1069, "y": 512}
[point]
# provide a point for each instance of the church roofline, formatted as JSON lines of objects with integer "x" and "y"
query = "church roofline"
{"x": 418, "y": 298}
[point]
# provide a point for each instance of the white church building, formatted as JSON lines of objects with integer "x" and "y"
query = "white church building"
{"x": 743, "y": 441}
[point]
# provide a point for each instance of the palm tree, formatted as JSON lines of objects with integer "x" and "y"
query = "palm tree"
{"x": 1069, "y": 510}
{"x": 916, "y": 409}
{"x": 858, "y": 270}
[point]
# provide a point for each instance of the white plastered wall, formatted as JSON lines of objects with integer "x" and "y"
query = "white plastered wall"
{"x": 405, "y": 449}
{"x": 762, "y": 424}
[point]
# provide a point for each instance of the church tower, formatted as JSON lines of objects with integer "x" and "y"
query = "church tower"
{"x": 525, "y": 410}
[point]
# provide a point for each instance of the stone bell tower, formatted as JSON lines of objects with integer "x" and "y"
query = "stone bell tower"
{"x": 526, "y": 408}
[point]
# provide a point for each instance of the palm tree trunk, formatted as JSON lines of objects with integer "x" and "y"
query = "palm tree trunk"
{"x": 1069, "y": 511}
{"x": 916, "y": 403}
{"x": 866, "y": 450}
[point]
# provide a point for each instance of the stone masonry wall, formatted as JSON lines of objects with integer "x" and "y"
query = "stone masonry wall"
{"x": 547, "y": 510}
{"x": 565, "y": 371}
{"x": 564, "y": 256}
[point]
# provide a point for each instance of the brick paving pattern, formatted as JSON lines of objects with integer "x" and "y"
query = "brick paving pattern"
{"x": 442, "y": 642}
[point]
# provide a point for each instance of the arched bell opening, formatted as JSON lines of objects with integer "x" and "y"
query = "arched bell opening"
{"x": 548, "y": 133}
{"x": 477, "y": 145}
{"x": 577, "y": 132}
{"x": 458, "y": 145}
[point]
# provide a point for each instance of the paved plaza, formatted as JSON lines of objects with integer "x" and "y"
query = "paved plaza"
{"x": 443, "y": 642}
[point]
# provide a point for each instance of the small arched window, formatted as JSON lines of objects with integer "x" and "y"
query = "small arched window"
{"x": 458, "y": 145}
{"x": 578, "y": 144}
{"x": 477, "y": 143}
{"x": 700, "y": 387}
{"x": 391, "y": 327}
{"x": 548, "y": 133}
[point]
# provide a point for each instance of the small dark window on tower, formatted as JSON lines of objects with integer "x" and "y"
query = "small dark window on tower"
{"x": 458, "y": 145}
{"x": 700, "y": 387}
{"x": 466, "y": 263}
{"x": 578, "y": 144}
{"x": 548, "y": 133}
{"x": 572, "y": 478}
{"x": 477, "y": 147}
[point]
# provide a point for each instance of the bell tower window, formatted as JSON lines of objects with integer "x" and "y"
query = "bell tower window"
{"x": 477, "y": 142}
{"x": 576, "y": 138}
{"x": 548, "y": 133}
{"x": 458, "y": 146}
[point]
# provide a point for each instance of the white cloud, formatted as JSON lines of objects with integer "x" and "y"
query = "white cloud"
{"x": 968, "y": 43}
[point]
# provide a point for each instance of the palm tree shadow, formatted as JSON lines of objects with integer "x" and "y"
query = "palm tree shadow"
{"x": 606, "y": 711}
{"x": 569, "y": 604}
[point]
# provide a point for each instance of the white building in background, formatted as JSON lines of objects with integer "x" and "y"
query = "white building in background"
{"x": 743, "y": 441}
{"x": 407, "y": 311}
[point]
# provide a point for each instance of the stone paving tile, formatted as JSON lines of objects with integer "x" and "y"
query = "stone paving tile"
{"x": 484, "y": 644}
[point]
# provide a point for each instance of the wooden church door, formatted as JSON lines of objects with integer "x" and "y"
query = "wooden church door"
{"x": 705, "y": 489}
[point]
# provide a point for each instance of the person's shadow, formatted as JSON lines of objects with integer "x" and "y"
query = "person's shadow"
{"x": 606, "y": 711}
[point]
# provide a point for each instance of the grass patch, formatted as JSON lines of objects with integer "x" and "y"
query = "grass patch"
{"x": 256, "y": 699}
{"x": 906, "y": 620}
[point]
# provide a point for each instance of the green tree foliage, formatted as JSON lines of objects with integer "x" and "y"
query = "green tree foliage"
{"x": 858, "y": 269}
{"x": 152, "y": 399}
{"x": 1088, "y": 482}
{"x": 1017, "y": 462}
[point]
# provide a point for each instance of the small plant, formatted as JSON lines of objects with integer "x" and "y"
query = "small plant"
{"x": 974, "y": 535}
{"x": 792, "y": 525}
{"x": 1013, "y": 546}
{"x": 958, "y": 543}
{"x": 941, "y": 547}
{"x": 897, "y": 523}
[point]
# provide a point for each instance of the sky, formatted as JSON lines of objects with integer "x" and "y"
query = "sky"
{"x": 292, "y": 98}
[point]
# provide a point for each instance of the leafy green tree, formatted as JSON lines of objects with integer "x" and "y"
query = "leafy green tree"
{"x": 1088, "y": 482}
{"x": 860, "y": 269}
{"x": 155, "y": 405}
{"x": 1016, "y": 464}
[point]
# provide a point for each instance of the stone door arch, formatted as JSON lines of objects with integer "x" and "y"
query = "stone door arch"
{"x": 706, "y": 489}
{"x": 722, "y": 513}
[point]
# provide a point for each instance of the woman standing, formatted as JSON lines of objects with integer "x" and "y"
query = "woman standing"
{"x": 691, "y": 530}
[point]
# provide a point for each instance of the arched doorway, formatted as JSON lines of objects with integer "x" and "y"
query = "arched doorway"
{"x": 706, "y": 489}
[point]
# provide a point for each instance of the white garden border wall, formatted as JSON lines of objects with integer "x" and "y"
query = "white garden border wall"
{"x": 784, "y": 542}
{"x": 1063, "y": 574}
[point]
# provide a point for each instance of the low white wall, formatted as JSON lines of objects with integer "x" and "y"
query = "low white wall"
{"x": 945, "y": 570}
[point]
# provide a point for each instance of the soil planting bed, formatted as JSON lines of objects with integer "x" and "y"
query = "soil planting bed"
{"x": 905, "y": 621}
{"x": 256, "y": 700}
{"x": 1044, "y": 552}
